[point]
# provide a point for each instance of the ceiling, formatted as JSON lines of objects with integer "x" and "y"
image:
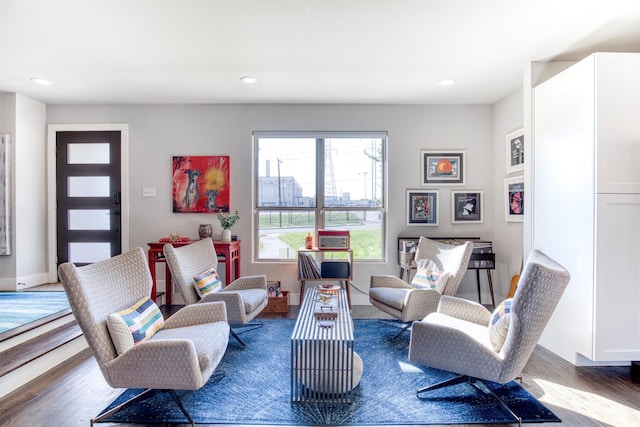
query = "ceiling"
{"x": 301, "y": 51}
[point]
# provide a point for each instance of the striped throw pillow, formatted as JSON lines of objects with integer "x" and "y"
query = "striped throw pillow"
{"x": 207, "y": 282}
{"x": 430, "y": 279}
{"x": 134, "y": 325}
{"x": 499, "y": 324}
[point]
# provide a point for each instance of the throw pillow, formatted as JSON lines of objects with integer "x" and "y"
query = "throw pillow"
{"x": 134, "y": 325}
{"x": 499, "y": 324}
{"x": 430, "y": 279}
{"x": 207, "y": 282}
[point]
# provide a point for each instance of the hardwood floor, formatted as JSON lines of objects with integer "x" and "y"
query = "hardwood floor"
{"x": 602, "y": 396}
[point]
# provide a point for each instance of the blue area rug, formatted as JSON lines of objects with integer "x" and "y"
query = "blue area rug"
{"x": 20, "y": 308}
{"x": 256, "y": 390}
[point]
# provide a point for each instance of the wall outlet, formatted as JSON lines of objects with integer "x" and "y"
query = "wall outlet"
{"x": 148, "y": 191}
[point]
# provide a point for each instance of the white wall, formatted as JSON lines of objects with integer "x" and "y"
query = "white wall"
{"x": 507, "y": 117}
{"x": 158, "y": 132}
{"x": 24, "y": 119}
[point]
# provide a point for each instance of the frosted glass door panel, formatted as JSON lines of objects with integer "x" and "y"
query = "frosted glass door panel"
{"x": 88, "y": 252}
{"x": 83, "y": 154}
{"x": 89, "y": 219}
{"x": 89, "y": 186}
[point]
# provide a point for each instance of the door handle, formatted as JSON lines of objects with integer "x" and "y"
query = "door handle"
{"x": 116, "y": 198}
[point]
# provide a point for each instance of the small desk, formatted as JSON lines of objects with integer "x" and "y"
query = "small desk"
{"x": 228, "y": 254}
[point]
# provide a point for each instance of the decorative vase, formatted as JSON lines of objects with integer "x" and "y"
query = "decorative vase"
{"x": 226, "y": 235}
{"x": 205, "y": 231}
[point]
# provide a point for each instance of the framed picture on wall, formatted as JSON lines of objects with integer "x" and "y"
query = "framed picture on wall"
{"x": 515, "y": 151}
{"x": 514, "y": 199}
{"x": 442, "y": 167}
{"x": 200, "y": 184}
{"x": 466, "y": 207}
{"x": 422, "y": 207}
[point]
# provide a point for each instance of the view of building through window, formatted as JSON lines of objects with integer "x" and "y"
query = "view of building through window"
{"x": 319, "y": 182}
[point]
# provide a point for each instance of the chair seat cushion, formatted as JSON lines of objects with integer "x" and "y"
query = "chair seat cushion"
{"x": 478, "y": 332}
{"x": 135, "y": 324}
{"x": 206, "y": 338}
{"x": 252, "y": 298}
{"x": 393, "y": 297}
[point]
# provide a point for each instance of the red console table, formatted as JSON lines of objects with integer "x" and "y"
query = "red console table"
{"x": 228, "y": 254}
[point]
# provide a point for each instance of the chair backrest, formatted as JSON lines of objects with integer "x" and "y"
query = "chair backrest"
{"x": 451, "y": 258}
{"x": 187, "y": 261}
{"x": 540, "y": 288}
{"x": 97, "y": 290}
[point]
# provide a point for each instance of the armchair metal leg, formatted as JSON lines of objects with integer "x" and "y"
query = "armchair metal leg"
{"x": 138, "y": 397}
{"x": 451, "y": 381}
{"x": 474, "y": 382}
{"x": 239, "y": 329}
{"x": 480, "y": 386}
{"x": 235, "y": 335}
{"x": 403, "y": 326}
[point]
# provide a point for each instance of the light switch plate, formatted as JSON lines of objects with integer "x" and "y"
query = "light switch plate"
{"x": 148, "y": 191}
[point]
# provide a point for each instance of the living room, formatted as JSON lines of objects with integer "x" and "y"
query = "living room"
{"x": 173, "y": 125}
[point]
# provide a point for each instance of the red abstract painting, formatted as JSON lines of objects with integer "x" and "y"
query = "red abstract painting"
{"x": 201, "y": 184}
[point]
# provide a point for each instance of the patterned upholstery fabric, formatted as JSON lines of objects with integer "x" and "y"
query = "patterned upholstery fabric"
{"x": 399, "y": 299}
{"x": 456, "y": 337}
{"x": 245, "y": 298}
{"x": 199, "y": 335}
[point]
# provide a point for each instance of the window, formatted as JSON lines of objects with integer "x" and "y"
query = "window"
{"x": 309, "y": 181}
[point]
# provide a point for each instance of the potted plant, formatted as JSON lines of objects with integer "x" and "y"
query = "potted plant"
{"x": 227, "y": 221}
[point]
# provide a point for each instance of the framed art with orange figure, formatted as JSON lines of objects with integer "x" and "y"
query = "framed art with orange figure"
{"x": 442, "y": 167}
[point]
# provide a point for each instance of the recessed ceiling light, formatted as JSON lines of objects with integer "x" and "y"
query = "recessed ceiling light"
{"x": 446, "y": 82}
{"x": 249, "y": 80}
{"x": 40, "y": 81}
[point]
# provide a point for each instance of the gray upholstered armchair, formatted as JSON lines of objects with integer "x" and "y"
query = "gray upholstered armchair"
{"x": 490, "y": 346}
{"x": 182, "y": 355}
{"x": 245, "y": 298}
{"x": 407, "y": 303}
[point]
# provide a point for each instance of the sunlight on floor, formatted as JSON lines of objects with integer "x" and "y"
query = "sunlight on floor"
{"x": 583, "y": 402}
{"x": 409, "y": 368}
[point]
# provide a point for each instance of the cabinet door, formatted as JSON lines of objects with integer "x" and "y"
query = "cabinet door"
{"x": 617, "y": 289}
{"x": 618, "y": 126}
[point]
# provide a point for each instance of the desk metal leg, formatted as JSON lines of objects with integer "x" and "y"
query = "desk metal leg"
{"x": 493, "y": 301}
{"x": 478, "y": 282}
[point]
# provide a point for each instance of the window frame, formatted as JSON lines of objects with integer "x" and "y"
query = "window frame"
{"x": 320, "y": 210}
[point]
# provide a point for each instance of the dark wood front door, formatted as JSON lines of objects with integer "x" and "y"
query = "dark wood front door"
{"x": 88, "y": 191}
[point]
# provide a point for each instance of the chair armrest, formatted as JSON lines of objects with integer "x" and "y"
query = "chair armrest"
{"x": 231, "y": 299}
{"x": 197, "y": 314}
{"x": 162, "y": 364}
{"x": 388, "y": 281}
{"x": 420, "y": 303}
{"x": 470, "y": 311}
{"x": 433, "y": 344}
{"x": 248, "y": 282}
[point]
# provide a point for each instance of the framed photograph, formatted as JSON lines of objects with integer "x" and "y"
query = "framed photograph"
{"x": 466, "y": 207}
{"x": 422, "y": 207}
{"x": 442, "y": 167}
{"x": 514, "y": 199}
{"x": 200, "y": 184}
{"x": 515, "y": 151}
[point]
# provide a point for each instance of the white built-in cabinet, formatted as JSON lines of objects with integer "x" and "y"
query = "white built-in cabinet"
{"x": 586, "y": 204}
